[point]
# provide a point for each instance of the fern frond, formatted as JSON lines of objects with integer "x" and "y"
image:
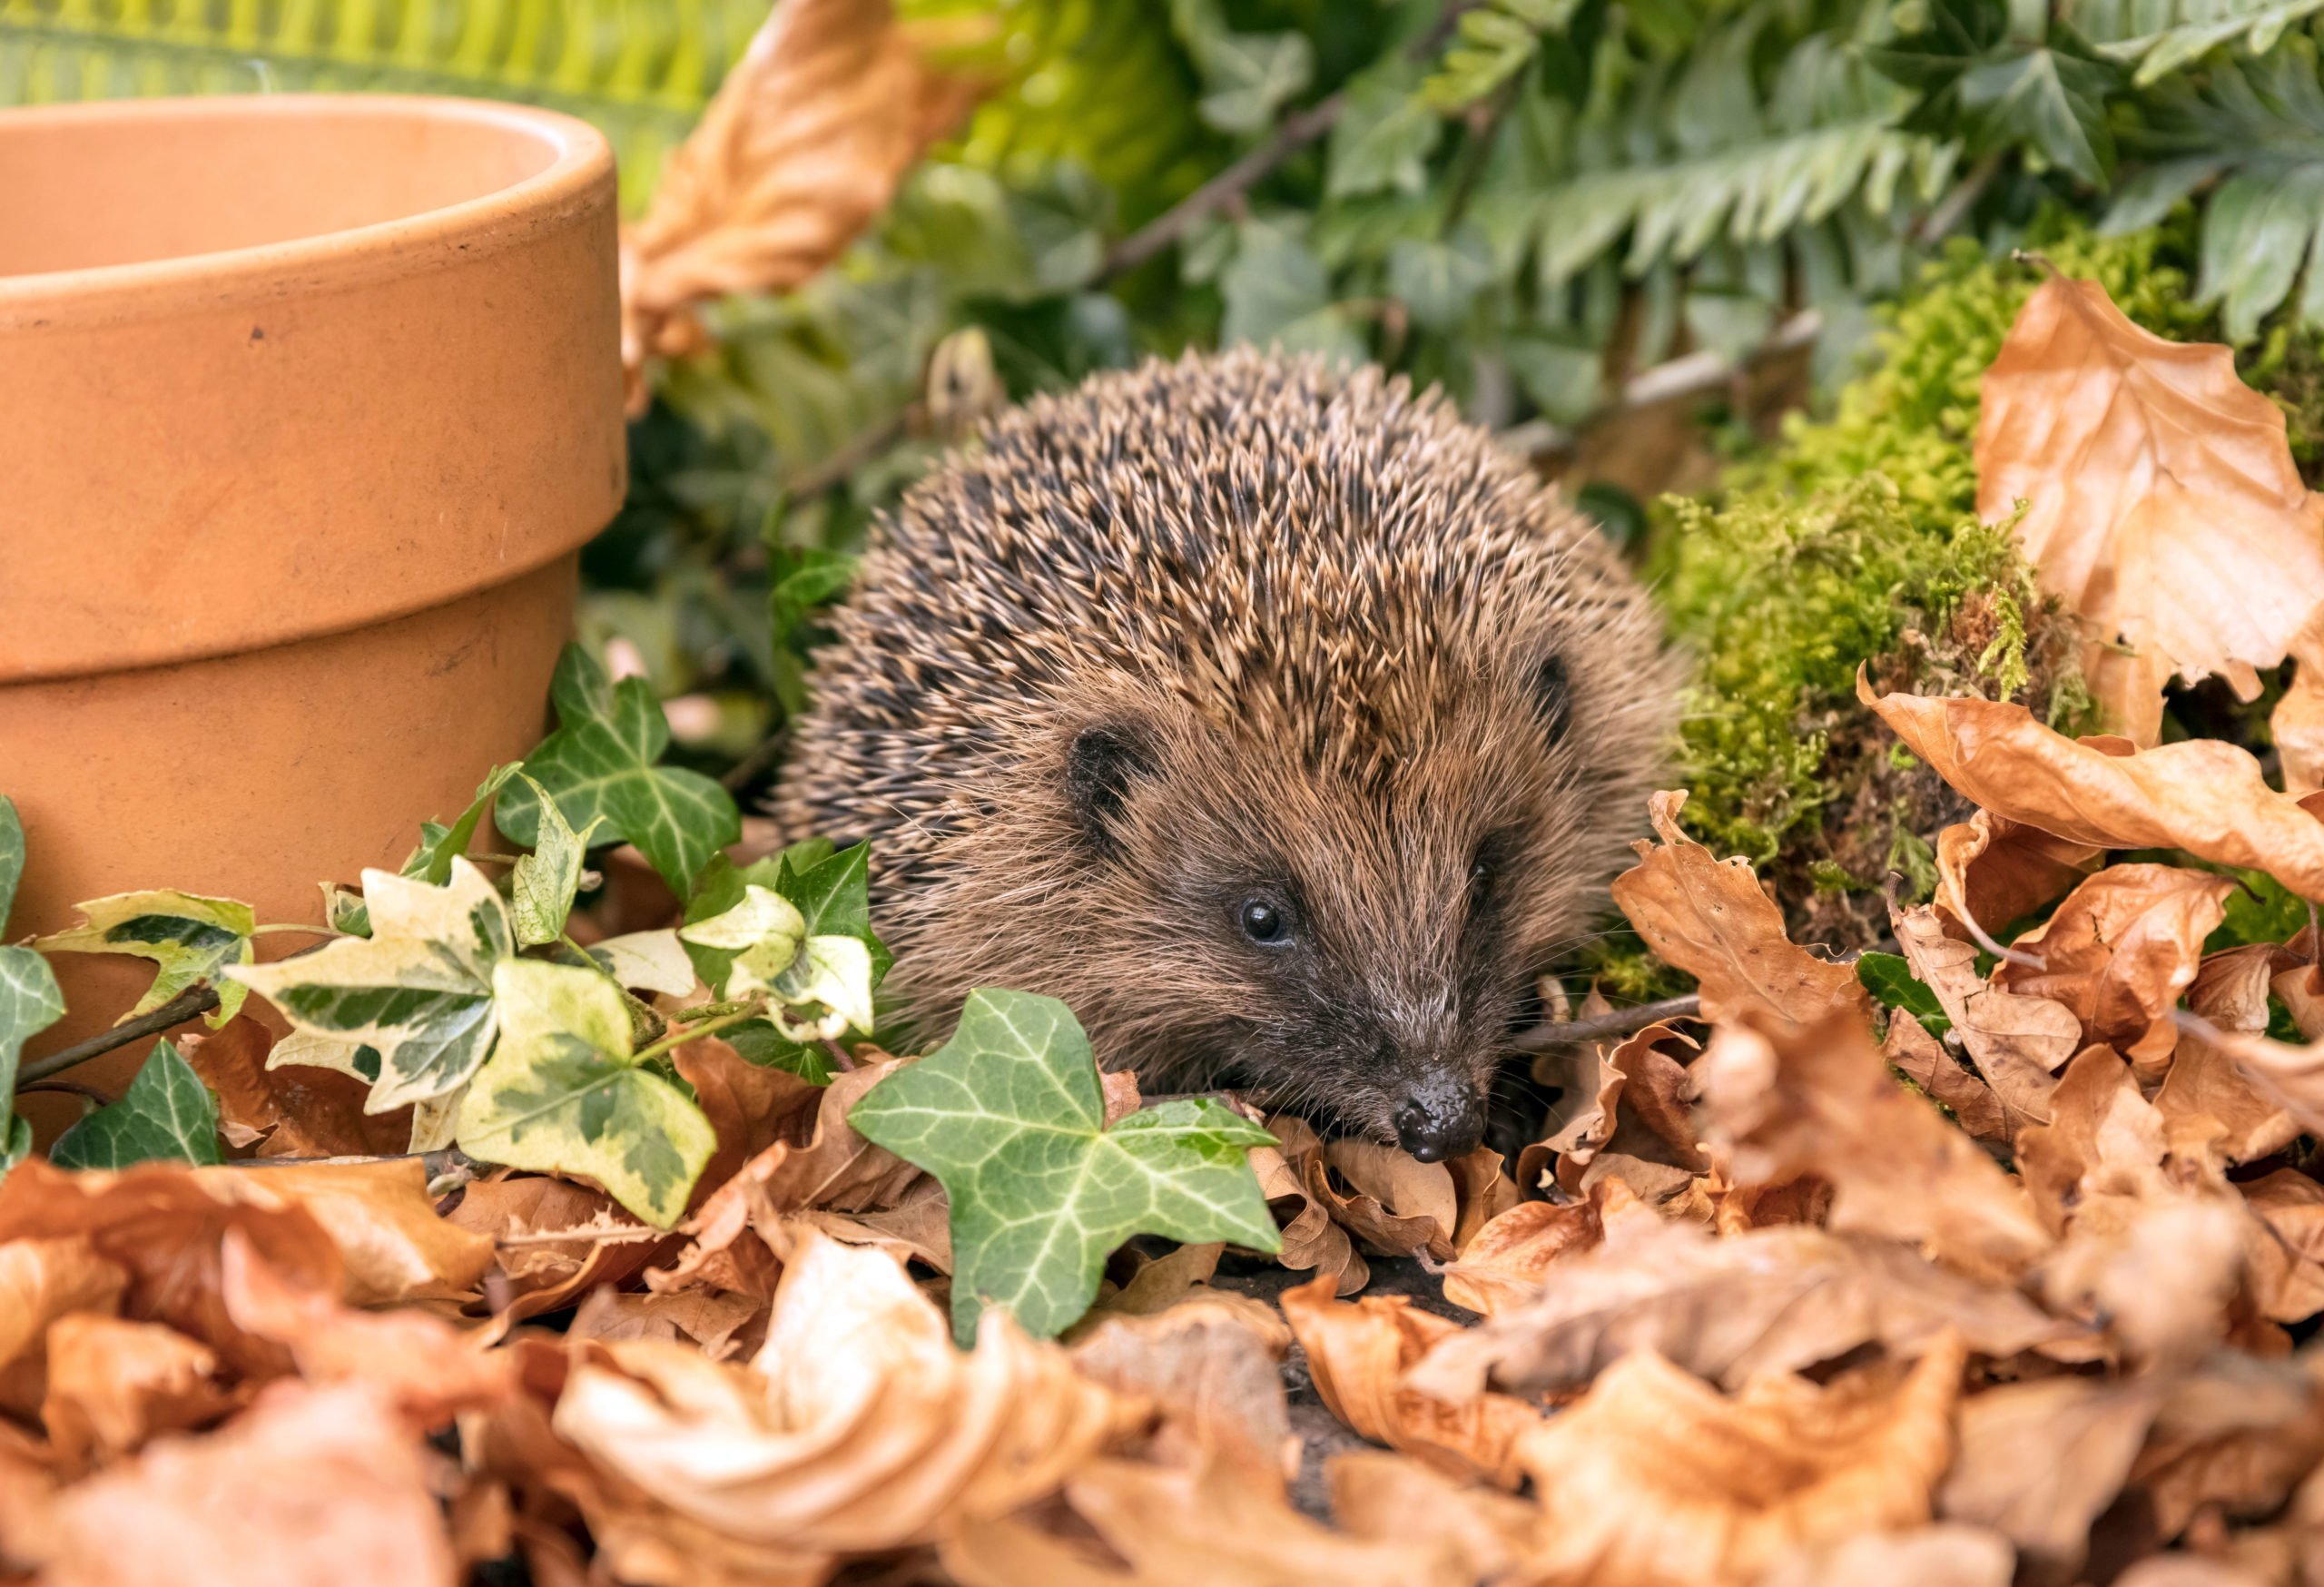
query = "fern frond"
{"x": 2159, "y": 37}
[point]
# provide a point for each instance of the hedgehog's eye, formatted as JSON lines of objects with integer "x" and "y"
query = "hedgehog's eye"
{"x": 1264, "y": 921}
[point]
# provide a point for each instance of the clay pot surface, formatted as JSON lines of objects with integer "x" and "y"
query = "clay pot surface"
{"x": 306, "y": 405}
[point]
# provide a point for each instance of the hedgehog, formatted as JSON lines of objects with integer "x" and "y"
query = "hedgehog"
{"x": 1278, "y": 722}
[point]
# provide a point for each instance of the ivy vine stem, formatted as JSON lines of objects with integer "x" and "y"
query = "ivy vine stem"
{"x": 705, "y": 1028}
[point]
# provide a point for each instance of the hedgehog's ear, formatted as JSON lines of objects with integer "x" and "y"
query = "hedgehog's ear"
{"x": 1100, "y": 764}
{"x": 1552, "y": 690}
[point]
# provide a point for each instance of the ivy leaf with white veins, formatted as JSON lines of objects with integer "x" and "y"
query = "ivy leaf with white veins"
{"x": 30, "y": 1002}
{"x": 564, "y": 1094}
{"x": 432, "y": 861}
{"x": 191, "y": 937}
{"x": 419, "y": 990}
{"x": 756, "y": 940}
{"x": 599, "y": 764}
{"x": 166, "y": 1116}
{"x": 541, "y": 891}
{"x": 1010, "y": 1115}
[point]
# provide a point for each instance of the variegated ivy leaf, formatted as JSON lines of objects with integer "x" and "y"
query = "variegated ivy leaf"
{"x": 564, "y": 1094}
{"x": 600, "y": 762}
{"x": 191, "y": 937}
{"x": 432, "y": 861}
{"x": 30, "y": 1002}
{"x": 653, "y": 962}
{"x": 541, "y": 892}
{"x": 344, "y": 911}
{"x": 836, "y": 971}
{"x": 11, "y": 855}
{"x": 763, "y": 932}
{"x": 418, "y": 989}
{"x": 167, "y": 1115}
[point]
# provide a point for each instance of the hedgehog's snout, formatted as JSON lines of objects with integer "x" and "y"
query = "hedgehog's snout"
{"x": 1441, "y": 1115}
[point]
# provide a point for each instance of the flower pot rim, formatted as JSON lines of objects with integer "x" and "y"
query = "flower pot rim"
{"x": 581, "y": 159}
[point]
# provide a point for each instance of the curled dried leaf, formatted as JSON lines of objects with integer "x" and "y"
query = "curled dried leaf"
{"x": 2016, "y": 1040}
{"x": 1925, "y": 1061}
{"x": 2204, "y": 1094}
{"x": 1506, "y": 1263}
{"x": 1991, "y": 871}
{"x": 113, "y": 1384}
{"x": 1211, "y": 1367}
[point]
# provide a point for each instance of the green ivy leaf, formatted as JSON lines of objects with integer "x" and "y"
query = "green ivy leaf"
{"x": 190, "y": 937}
{"x": 1438, "y": 280}
{"x": 564, "y": 1094}
{"x": 166, "y": 1116}
{"x": 833, "y": 890}
{"x": 419, "y": 990}
{"x": 11, "y": 855}
{"x": 1384, "y": 137}
{"x": 599, "y": 765}
{"x": 1979, "y": 84}
{"x": 757, "y": 938}
{"x": 1010, "y": 1115}
{"x": 760, "y": 1043}
{"x": 1889, "y": 978}
{"x": 432, "y": 861}
{"x": 542, "y": 889}
{"x": 30, "y": 1000}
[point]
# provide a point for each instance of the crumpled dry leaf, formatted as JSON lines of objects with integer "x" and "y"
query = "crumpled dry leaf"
{"x": 1789, "y": 1099}
{"x": 2297, "y": 723}
{"x": 1504, "y": 1266}
{"x": 1179, "y": 1280}
{"x": 381, "y": 1217}
{"x": 310, "y": 1484}
{"x": 2284, "y": 1253}
{"x": 2163, "y": 502}
{"x": 113, "y": 1384}
{"x": 1211, "y": 1367}
{"x": 537, "y": 1272}
{"x": 1357, "y": 1353}
{"x": 750, "y": 1106}
{"x": 2234, "y": 1436}
{"x": 1397, "y": 1204}
{"x": 1939, "y": 1555}
{"x": 2203, "y": 795}
{"x": 1731, "y": 1308}
{"x": 1991, "y": 871}
{"x": 1709, "y": 918}
{"x": 707, "y": 1319}
{"x": 803, "y": 145}
{"x": 42, "y": 1280}
{"x": 1654, "y": 1477}
{"x": 297, "y": 1110}
{"x": 2039, "y": 1461}
{"x": 2120, "y": 951}
{"x": 1392, "y": 1498}
{"x": 1925, "y": 1061}
{"x": 859, "y": 1428}
{"x": 2291, "y": 1076}
{"x": 1311, "y": 1239}
{"x": 2017, "y": 1042}
{"x": 1637, "y": 1127}
{"x": 1170, "y": 1526}
{"x": 2203, "y": 1088}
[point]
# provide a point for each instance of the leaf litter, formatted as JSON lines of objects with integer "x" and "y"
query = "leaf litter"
{"x": 1978, "y": 1266}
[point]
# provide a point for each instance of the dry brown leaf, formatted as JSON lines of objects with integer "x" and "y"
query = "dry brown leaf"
{"x": 1709, "y": 918}
{"x": 2234, "y": 1437}
{"x": 2017, "y": 1042}
{"x": 2297, "y": 723}
{"x": 1925, "y": 1061}
{"x": 1638, "y": 1111}
{"x": 1392, "y": 1498}
{"x": 1311, "y": 1239}
{"x": 1358, "y": 1353}
{"x": 1504, "y": 1266}
{"x": 2120, "y": 951}
{"x": 1396, "y": 1204}
{"x": 1173, "y": 1526}
{"x": 1653, "y": 1477}
{"x": 1179, "y": 1280}
{"x": 540, "y": 1273}
{"x": 1210, "y": 1368}
{"x": 381, "y": 1217}
{"x": 1730, "y": 1309}
{"x": 2291, "y": 1076}
{"x": 2284, "y": 1247}
{"x": 1939, "y": 1555}
{"x": 750, "y": 1106}
{"x": 859, "y": 1428}
{"x": 308, "y": 1486}
{"x": 114, "y": 1384}
{"x": 2039, "y": 1461}
{"x": 293, "y": 1110}
{"x": 1790, "y": 1100}
{"x": 803, "y": 145}
{"x": 706, "y": 1319}
{"x": 2163, "y": 502}
{"x": 42, "y": 1280}
{"x": 2203, "y": 1088}
{"x": 2203, "y": 795}
{"x": 1990, "y": 873}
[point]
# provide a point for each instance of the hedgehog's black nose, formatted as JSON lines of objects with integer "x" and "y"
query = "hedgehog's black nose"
{"x": 1442, "y": 1117}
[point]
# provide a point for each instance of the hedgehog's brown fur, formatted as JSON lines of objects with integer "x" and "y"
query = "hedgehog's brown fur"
{"x": 1228, "y": 628}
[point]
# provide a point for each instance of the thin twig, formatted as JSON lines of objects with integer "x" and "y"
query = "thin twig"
{"x": 616, "y": 1236}
{"x": 745, "y": 772}
{"x": 194, "y": 1000}
{"x": 443, "y": 1160}
{"x": 1617, "y": 1022}
{"x": 840, "y": 1056}
{"x": 1295, "y": 133}
{"x": 1954, "y": 205}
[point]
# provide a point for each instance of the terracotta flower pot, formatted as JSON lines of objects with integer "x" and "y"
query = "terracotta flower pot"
{"x": 306, "y": 405}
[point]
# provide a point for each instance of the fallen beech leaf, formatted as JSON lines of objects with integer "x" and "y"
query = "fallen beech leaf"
{"x": 1925, "y": 1061}
{"x": 1788, "y": 1099}
{"x": 428, "y": 1369}
{"x": 706, "y": 1319}
{"x": 2163, "y": 502}
{"x": 2120, "y": 951}
{"x": 1357, "y": 1353}
{"x": 308, "y": 1486}
{"x": 2017, "y": 1042}
{"x": 2291, "y": 1076}
{"x": 293, "y": 1109}
{"x": 1940, "y": 1555}
{"x": 2284, "y": 1252}
{"x": 2203, "y": 795}
{"x": 803, "y": 145}
{"x": 1178, "y": 1281}
{"x": 751, "y": 1106}
{"x": 1392, "y": 1498}
{"x": 2297, "y": 723}
{"x": 1654, "y": 1477}
{"x": 2234, "y": 1437}
{"x": 1639, "y": 1111}
{"x": 537, "y": 1272}
{"x": 860, "y": 1427}
{"x": 1169, "y": 1526}
{"x": 1709, "y": 918}
{"x": 1210, "y": 1366}
{"x": 1291, "y": 1175}
{"x": 1507, "y": 1262}
{"x": 1730, "y": 1309}
{"x": 42, "y": 1280}
{"x": 1400, "y": 1204}
{"x": 2039, "y": 1461}
{"x": 2203, "y": 1086}
{"x": 1991, "y": 871}
{"x": 113, "y": 1384}
{"x": 917, "y": 1229}
{"x": 383, "y": 1221}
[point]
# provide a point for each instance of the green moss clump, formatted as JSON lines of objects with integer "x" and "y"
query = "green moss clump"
{"x": 1854, "y": 540}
